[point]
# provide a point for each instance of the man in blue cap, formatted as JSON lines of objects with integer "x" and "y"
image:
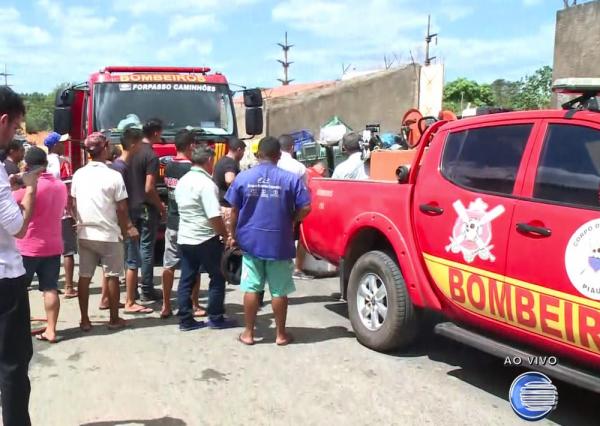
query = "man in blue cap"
{"x": 56, "y": 148}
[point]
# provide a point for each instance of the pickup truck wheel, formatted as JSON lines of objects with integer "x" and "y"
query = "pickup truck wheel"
{"x": 379, "y": 307}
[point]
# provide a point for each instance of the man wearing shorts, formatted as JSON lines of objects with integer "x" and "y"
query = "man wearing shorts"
{"x": 175, "y": 170}
{"x": 266, "y": 203}
{"x": 42, "y": 245}
{"x": 100, "y": 204}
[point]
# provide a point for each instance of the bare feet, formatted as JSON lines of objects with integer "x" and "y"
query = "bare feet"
{"x": 85, "y": 325}
{"x": 199, "y": 312}
{"x": 117, "y": 325}
{"x": 246, "y": 338}
{"x": 166, "y": 313}
{"x": 47, "y": 337}
{"x": 284, "y": 339}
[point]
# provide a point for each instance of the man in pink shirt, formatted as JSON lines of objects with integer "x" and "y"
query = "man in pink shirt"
{"x": 42, "y": 245}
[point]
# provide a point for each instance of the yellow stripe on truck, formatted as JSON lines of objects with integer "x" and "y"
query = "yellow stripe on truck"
{"x": 549, "y": 313}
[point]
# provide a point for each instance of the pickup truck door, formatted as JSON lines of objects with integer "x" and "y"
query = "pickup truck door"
{"x": 554, "y": 247}
{"x": 463, "y": 205}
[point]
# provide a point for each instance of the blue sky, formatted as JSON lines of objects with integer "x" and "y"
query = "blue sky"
{"x": 45, "y": 42}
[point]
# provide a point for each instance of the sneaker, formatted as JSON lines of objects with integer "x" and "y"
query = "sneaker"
{"x": 192, "y": 325}
{"x": 222, "y": 323}
{"x": 299, "y": 275}
{"x": 151, "y": 296}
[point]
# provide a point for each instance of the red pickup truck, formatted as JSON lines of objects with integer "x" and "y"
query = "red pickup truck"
{"x": 496, "y": 225}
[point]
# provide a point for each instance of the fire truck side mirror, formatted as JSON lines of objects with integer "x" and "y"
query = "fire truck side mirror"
{"x": 64, "y": 98}
{"x": 253, "y": 98}
{"x": 62, "y": 120}
{"x": 254, "y": 121}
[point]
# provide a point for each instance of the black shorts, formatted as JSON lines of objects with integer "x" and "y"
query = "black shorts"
{"x": 47, "y": 270}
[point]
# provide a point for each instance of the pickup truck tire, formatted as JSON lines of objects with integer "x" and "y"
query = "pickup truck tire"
{"x": 395, "y": 325}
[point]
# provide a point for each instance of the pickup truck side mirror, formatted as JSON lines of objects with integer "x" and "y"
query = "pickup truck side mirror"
{"x": 253, "y": 101}
{"x": 402, "y": 174}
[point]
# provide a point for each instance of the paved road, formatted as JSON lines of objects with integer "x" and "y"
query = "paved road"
{"x": 152, "y": 374}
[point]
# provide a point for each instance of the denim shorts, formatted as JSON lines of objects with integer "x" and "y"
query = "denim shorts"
{"x": 46, "y": 268}
{"x": 172, "y": 256}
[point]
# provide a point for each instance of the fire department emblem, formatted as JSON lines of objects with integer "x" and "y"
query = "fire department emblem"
{"x": 582, "y": 259}
{"x": 472, "y": 231}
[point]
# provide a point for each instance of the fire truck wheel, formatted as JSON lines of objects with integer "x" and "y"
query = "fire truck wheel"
{"x": 380, "y": 309}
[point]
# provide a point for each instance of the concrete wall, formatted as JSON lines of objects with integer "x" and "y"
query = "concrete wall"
{"x": 577, "y": 43}
{"x": 379, "y": 98}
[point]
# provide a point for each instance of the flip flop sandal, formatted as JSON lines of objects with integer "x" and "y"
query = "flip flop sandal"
{"x": 289, "y": 340}
{"x": 197, "y": 315}
{"x": 106, "y": 308}
{"x": 71, "y": 295}
{"x": 140, "y": 311}
{"x": 243, "y": 342}
{"x": 42, "y": 338}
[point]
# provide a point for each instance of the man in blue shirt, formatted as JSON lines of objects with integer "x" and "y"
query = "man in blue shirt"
{"x": 266, "y": 202}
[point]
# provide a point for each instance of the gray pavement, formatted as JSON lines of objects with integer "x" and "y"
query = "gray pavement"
{"x": 152, "y": 374}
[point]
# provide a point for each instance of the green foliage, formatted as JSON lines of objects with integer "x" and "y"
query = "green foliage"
{"x": 40, "y": 110}
{"x": 530, "y": 92}
{"x": 535, "y": 90}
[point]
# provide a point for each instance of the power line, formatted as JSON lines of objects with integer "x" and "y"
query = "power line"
{"x": 5, "y": 74}
{"x": 285, "y": 63}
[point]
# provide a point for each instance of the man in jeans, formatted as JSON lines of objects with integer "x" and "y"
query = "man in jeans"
{"x": 266, "y": 204}
{"x": 201, "y": 230}
{"x": 15, "y": 332}
{"x": 42, "y": 245}
{"x": 100, "y": 204}
{"x": 146, "y": 209}
{"x": 175, "y": 170}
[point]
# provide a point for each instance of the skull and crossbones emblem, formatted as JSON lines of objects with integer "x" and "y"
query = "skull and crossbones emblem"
{"x": 472, "y": 231}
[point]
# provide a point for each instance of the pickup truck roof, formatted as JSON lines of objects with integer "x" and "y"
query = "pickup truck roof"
{"x": 523, "y": 115}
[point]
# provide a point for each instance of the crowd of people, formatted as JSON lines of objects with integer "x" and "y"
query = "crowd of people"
{"x": 108, "y": 212}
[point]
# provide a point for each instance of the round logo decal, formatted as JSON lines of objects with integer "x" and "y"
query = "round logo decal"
{"x": 532, "y": 396}
{"x": 582, "y": 259}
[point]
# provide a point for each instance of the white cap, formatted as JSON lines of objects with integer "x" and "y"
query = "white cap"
{"x": 65, "y": 137}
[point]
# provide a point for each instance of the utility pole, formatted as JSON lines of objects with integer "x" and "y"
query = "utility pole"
{"x": 428, "y": 38}
{"x": 5, "y": 74}
{"x": 285, "y": 63}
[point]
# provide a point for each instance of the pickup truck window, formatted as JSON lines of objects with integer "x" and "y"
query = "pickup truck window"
{"x": 485, "y": 159}
{"x": 569, "y": 167}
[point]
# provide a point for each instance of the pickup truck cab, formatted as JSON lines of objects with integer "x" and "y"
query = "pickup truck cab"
{"x": 497, "y": 227}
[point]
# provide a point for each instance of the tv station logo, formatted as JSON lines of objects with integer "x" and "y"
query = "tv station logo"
{"x": 533, "y": 396}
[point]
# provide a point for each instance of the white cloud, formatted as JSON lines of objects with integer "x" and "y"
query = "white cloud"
{"x": 466, "y": 56}
{"x": 13, "y": 30}
{"x": 181, "y": 24}
{"x": 142, "y": 7}
{"x": 187, "y": 47}
{"x": 529, "y": 3}
{"x": 454, "y": 10}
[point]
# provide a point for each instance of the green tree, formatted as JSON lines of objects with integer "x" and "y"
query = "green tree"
{"x": 40, "y": 110}
{"x": 535, "y": 90}
{"x": 504, "y": 92}
{"x": 460, "y": 92}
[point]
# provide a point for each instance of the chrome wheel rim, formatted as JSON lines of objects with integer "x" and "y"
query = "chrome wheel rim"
{"x": 372, "y": 301}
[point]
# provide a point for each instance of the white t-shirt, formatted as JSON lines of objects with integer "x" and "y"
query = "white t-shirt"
{"x": 97, "y": 189}
{"x": 11, "y": 221}
{"x": 353, "y": 168}
{"x": 54, "y": 165}
{"x": 288, "y": 163}
{"x": 197, "y": 201}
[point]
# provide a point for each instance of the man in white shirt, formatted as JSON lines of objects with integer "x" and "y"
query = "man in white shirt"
{"x": 290, "y": 164}
{"x": 354, "y": 167}
{"x": 100, "y": 204}
{"x": 56, "y": 148}
{"x": 201, "y": 230}
{"x": 15, "y": 332}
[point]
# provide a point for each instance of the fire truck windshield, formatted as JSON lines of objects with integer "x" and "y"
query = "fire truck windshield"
{"x": 203, "y": 107}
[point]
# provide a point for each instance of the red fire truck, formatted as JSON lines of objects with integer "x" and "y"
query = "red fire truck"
{"x": 183, "y": 98}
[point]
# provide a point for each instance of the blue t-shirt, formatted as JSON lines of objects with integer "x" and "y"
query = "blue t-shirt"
{"x": 267, "y": 198}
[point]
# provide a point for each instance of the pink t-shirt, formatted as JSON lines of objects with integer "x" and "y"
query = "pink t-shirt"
{"x": 44, "y": 234}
